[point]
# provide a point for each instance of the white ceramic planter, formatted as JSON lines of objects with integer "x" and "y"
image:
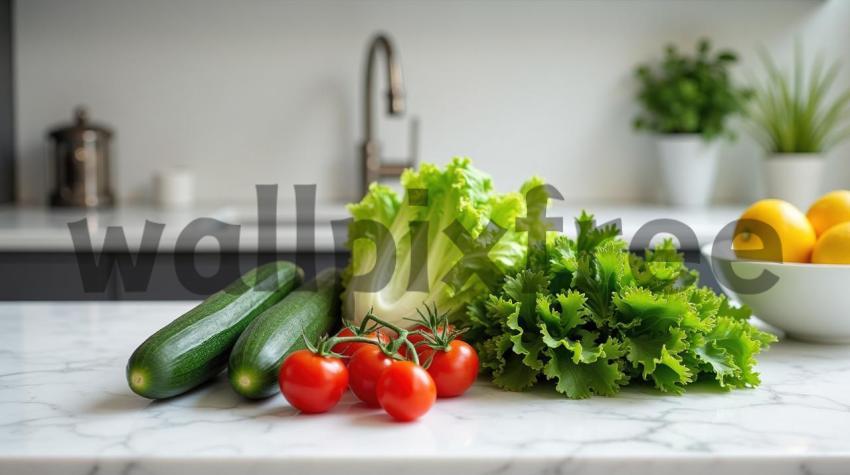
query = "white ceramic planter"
{"x": 688, "y": 166}
{"x": 794, "y": 177}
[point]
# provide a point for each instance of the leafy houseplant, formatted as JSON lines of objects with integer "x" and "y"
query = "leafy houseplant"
{"x": 797, "y": 120}
{"x": 687, "y": 101}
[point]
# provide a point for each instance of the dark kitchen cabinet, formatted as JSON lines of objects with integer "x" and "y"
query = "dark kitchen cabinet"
{"x": 58, "y": 276}
{"x": 46, "y": 276}
{"x": 181, "y": 276}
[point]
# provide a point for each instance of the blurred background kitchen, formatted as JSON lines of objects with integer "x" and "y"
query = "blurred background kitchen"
{"x": 193, "y": 103}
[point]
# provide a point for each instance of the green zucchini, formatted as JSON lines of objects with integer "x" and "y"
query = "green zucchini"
{"x": 311, "y": 311}
{"x": 195, "y": 347}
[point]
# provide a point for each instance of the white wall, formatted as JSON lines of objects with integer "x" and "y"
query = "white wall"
{"x": 269, "y": 91}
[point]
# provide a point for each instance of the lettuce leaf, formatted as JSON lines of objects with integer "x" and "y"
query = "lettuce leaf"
{"x": 447, "y": 215}
{"x": 593, "y": 317}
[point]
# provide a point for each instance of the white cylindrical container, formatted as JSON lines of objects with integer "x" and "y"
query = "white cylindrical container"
{"x": 174, "y": 188}
{"x": 688, "y": 167}
{"x": 794, "y": 177}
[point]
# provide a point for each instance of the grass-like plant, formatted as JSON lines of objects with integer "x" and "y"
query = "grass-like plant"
{"x": 795, "y": 113}
{"x": 687, "y": 94}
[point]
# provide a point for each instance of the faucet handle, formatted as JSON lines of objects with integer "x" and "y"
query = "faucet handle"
{"x": 394, "y": 168}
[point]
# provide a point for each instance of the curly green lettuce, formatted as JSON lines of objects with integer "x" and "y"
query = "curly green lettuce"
{"x": 593, "y": 317}
{"x": 443, "y": 214}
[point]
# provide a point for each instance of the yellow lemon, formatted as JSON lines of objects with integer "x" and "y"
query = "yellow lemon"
{"x": 830, "y": 209}
{"x": 834, "y": 246}
{"x": 796, "y": 237}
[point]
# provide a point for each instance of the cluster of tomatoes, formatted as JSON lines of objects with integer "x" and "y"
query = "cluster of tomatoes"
{"x": 401, "y": 371}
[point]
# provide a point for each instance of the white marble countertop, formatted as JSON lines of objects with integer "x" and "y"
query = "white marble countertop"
{"x": 65, "y": 409}
{"x": 44, "y": 229}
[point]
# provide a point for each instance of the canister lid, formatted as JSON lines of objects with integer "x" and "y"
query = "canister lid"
{"x": 80, "y": 128}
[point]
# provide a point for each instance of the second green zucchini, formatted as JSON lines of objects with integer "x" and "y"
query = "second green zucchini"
{"x": 311, "y": 311}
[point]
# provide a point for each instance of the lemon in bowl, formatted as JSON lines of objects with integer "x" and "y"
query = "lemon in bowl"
{"x": 774, "y": 230}
{"x": 833, "y": 247}
{"x": 792, "y": 269}
{"x": 829, "y": 210}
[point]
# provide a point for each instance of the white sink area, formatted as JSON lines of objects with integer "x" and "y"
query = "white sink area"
{"x": 247, "y": 215}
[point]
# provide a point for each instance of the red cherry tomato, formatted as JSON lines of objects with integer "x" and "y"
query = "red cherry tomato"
{"x": 364, "y": 369}
{"x": 312, "y": 383}
{"x": 416, "y": 338}
{"x": 406, "y": 391}
{"x": 347, "y": 350}
{"x": 454, "y": 370}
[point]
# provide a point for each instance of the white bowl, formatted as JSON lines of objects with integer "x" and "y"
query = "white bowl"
{"x": 809, "y": 302}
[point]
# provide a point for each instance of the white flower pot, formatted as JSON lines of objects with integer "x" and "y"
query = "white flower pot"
{"x": 794, "y": 177}
{"x": 688, "y": 166}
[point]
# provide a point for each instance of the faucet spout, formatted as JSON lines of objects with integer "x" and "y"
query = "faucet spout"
{"x": 395, "y": 83}
{"x": 370, "y": 150}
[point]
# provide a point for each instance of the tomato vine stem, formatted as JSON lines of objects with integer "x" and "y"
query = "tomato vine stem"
{"x": 325, "y": 345}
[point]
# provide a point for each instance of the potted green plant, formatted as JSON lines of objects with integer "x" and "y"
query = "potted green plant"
{"x": 797, "y": 120}
{"x": 686, "y": 101}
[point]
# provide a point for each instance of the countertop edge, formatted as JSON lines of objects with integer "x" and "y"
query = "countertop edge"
{"x": 708, "y": 464}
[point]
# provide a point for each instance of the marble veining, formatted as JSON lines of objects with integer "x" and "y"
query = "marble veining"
{"x": 65, "y": 409}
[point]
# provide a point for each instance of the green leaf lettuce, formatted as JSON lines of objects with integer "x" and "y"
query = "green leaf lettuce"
{"x": 593, "y": 317}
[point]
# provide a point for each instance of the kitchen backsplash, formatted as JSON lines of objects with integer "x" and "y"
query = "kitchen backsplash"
{"x": 253, "y": 92}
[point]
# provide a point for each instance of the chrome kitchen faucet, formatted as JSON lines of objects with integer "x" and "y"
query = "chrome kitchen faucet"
{"x": 373, "y": 169}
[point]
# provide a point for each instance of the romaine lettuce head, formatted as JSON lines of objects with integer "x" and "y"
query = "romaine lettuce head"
{"x": 445, "y": 214}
